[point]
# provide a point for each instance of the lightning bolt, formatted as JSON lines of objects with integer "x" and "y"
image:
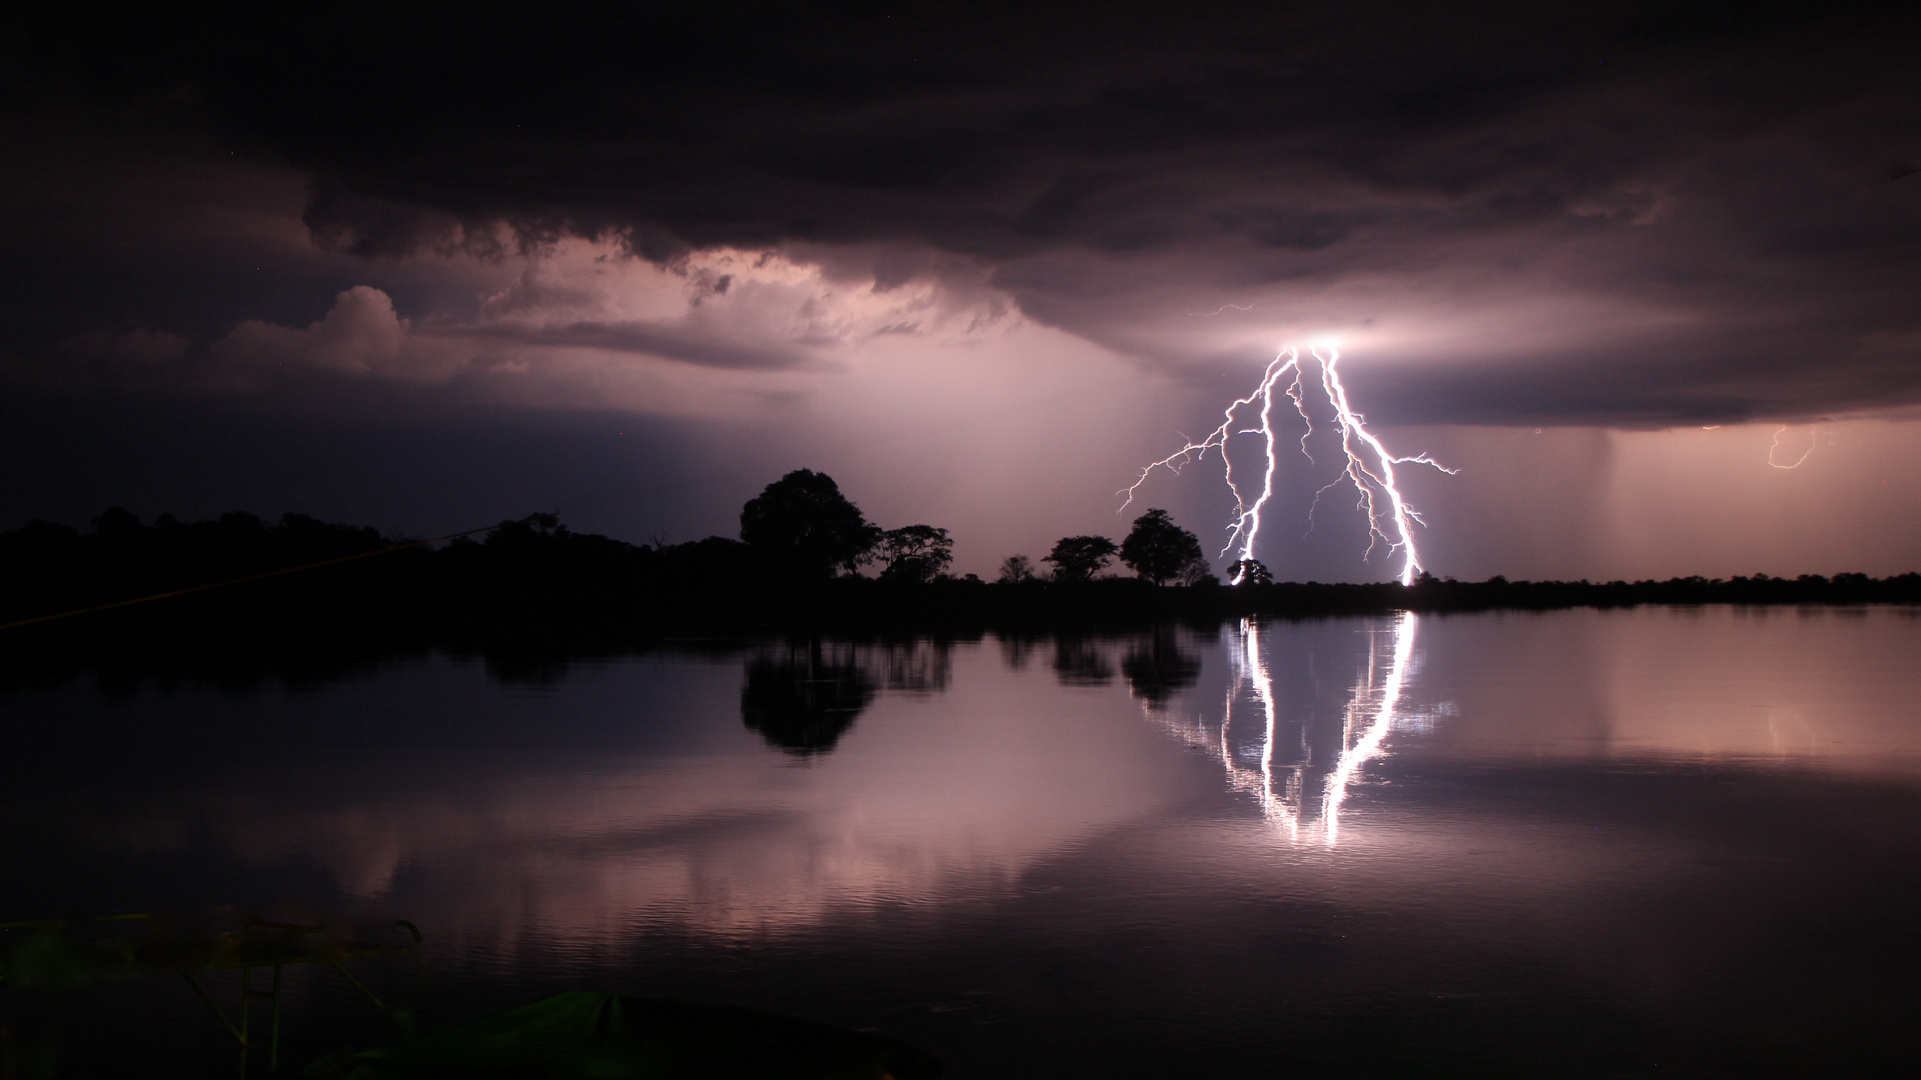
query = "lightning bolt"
{"x": 1370, "y": 467}
{"x": 1813, "y": 437}
{"x": 1247, "y": 516}
{"x": 1375, "y": 482}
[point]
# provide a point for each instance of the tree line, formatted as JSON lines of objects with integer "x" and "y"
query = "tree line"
{"x": 803, "y": 523}
{"x": 804, "y": 550}
{"x": 802, "y": 559}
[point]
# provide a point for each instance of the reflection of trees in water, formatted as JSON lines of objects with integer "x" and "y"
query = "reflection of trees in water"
{"x": 1078, "y": 662}
{"x": 918, "y": 667}
{"x": 803, "y": 696}
{"x": 1016, "y": 651}
{"x": 1157, "y": 668}
{"x": 805, "y": 700}
{"x": 1155, "y": 665}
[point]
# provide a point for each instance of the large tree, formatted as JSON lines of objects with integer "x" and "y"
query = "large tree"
{"x": 1157, "y": 549}
{"x": 1077, "y": 558}
{"x": 805, "y": 524}
{"x": 915, "y": 553}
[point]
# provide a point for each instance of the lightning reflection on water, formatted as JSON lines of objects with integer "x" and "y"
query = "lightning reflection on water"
{"x": 1300, "y": 792}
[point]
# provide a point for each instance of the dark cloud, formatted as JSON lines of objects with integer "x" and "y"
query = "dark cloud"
{"x": 1713, "y": 176}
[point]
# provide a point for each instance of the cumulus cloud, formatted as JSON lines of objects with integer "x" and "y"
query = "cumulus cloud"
{"x": 721, "y": 308}
{"x": 589, "y": 324}
{"x": 360, "y": 335}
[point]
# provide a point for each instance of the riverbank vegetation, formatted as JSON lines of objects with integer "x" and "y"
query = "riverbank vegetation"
{"x": 806, "y": 559}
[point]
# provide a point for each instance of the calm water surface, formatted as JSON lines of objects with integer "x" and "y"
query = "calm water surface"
{"x": 1639, "y": 843}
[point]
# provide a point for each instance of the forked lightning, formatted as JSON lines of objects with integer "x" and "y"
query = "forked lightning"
{"x": 1370, "y": 468}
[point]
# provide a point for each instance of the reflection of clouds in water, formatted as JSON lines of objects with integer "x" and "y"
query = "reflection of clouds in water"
{"x": 1829, "y": 688}
{"x": 1302, "y": 712}
{"x": 942, "y": 797}
{"x": 958, "y": 776}
{"x": 1790, "y": 731}
{"x": 937, "y": 793}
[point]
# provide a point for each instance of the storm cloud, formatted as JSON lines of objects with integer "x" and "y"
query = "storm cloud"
{"x": 898, "y": 240}
{"x": 1543, "y": 213}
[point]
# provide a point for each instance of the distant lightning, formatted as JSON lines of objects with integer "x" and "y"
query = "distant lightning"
{"x": 1776, "y": 445}
{"x": 1370, "y": 467}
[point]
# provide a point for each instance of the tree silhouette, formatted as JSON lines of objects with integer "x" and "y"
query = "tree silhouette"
{"x": 803, "y": 523}
{"x": 1157, "y": 549}
{"x": 1198, "y": 574}
{"x": 1078, "y": 558}
{"x": 1249, "y": 572}
{"x": 915, "y": 553}
{"x": 1016, "y": 569}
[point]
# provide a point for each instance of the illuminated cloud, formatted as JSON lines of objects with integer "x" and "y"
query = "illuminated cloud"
{"x": 1656, "y": 216}
{"x": 589, "y": 325}
{"x": 360, "y": 335}
{"x": 891, "y": 242}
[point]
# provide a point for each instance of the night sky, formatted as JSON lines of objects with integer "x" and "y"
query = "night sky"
{"x": 427, "y": 267}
